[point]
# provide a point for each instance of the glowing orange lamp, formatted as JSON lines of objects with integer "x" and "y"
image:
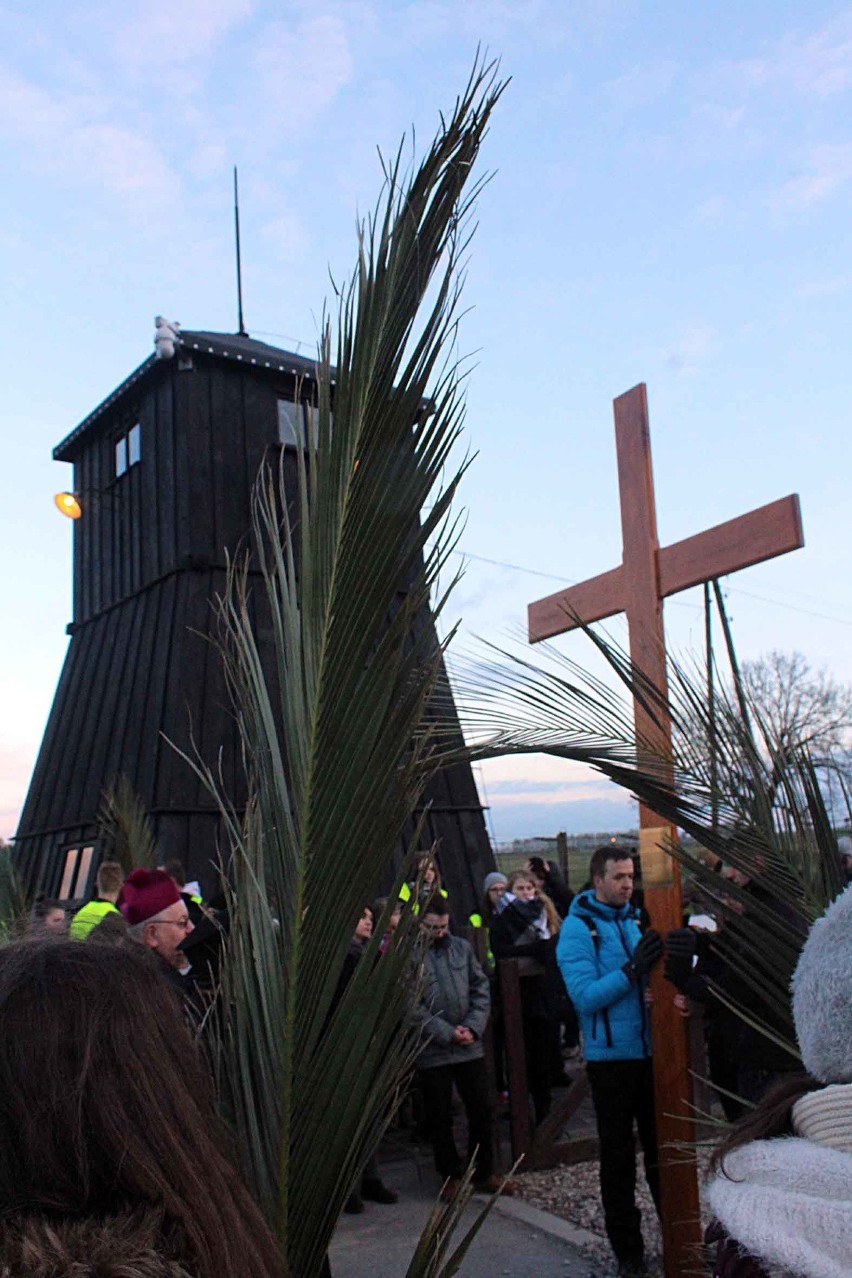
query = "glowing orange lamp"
{"x": 68, "y": 504}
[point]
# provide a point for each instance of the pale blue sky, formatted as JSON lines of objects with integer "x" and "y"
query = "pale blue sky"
{"x": 671, "y": 203}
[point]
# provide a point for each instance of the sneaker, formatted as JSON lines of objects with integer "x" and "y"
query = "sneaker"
{"x": 449, "y": 1189}
{"x": 493, "y": 1183}
{"x": 376, "y": 1191}
{"x": 354, "y": 1205}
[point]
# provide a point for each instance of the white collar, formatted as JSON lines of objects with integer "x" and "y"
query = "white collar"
{"x": 826, "y": 1117}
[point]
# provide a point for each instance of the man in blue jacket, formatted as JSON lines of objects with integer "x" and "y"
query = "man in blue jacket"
{"x": 605, "y": 960}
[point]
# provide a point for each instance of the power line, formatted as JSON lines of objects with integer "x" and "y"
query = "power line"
{"x": 499, "y": 563}
{"x": 284, "y": 337}
{"x": 809, "y": 612}
{"x": 799, "y": 594}
{"x": 680, "y": 603}
{"x": 535, "y": 572}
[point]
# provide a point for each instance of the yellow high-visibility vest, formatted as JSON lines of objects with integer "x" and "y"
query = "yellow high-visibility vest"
{"x": 476, "y": 920}
{"x": 87, "y": 919}
{"x": 405, "y": 895}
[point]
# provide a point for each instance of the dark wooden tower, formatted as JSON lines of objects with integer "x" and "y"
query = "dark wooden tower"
{"x": 164, "y": 469}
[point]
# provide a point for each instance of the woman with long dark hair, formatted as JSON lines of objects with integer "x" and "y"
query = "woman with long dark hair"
{"x": 112, "y": 1159}
{"x": 781, "y": 1181}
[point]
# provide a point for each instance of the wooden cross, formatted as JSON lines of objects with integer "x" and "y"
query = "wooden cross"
{"x": 648, "y": 574}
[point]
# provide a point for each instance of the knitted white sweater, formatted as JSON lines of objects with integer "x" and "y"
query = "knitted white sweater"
{"x": 788, "y": 1201}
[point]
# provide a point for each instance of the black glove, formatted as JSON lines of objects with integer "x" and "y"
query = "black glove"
{"x": 682, "y": 943}
{"x": 678, "y": 971}
{"x": 648, "y": 952}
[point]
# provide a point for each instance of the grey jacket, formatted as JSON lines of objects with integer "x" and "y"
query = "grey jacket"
{"x": 455, "y": 992}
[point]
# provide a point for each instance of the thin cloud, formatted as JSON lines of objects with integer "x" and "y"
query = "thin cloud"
{"x": 819, "y": 64}
{"x": 176, "y": 34}
{"x": 644, "y": 83}
{"x": 692, "y": 349}
{"x": 714, "y": 210}
{"x": 824, "y": 286}
{"x": 547, "y": 797}
{"x": 75, "y": 137}
{"x": 286, "y": 237}
{"x": 829, "y": 168}
{"x": 301, "y": 68}
{"x": 16, "y": 764}
{"x": 527, "y": 786}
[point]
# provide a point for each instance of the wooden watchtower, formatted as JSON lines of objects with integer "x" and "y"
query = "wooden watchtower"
{"x": 163, "y": 469}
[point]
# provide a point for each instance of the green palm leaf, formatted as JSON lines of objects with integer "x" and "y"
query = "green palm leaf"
{"x": 14, "y": 902}
{"x": 338, "y": 744}
{"x": 755, "y": 807}
{"x": 125, "y": 825}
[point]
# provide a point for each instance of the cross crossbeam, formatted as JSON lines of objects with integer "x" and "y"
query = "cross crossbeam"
{"x": 750, "y": 539}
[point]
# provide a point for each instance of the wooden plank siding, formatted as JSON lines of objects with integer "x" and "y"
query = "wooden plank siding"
{"x": 149, "y": 556}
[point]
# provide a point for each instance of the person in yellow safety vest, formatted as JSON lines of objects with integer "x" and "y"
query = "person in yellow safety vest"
{"x": 108, "y": 882}
{"x": 427, "y": 872}
{"x": 493, "y": 887}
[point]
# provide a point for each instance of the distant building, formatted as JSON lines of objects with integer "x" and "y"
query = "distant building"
{"x": 163, "y": 471}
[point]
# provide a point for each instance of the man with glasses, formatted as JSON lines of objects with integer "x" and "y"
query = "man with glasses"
{"x": 157, "y": 918}
{"x": 453, "y": 1013}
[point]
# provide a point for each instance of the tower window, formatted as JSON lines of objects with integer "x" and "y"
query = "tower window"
{"x": 128, "y": 449}
{"x": 75, "y": 872}
{"x": 296, "y": 423}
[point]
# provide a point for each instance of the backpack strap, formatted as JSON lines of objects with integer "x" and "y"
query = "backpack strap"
{"x": 596, "y": 941}
{"x": 593, "y": 931}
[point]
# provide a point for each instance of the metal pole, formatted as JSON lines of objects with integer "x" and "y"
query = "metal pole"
{"x": 241, "y": 329}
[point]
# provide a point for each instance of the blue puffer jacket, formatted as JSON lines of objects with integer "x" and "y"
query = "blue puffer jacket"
{"x": 611, "y": 1007}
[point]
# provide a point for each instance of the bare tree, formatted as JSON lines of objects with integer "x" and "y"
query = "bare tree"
{"x": 798, "y": 706}
{"x": 784, "y": 708}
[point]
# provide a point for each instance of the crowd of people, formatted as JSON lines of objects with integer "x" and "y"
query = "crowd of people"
{"x": 583, "y": 966}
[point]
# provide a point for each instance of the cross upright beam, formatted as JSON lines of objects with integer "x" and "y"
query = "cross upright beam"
{"x": 637, "y": 587}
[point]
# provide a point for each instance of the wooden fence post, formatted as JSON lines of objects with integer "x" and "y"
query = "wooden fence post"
{"x": 478, "y": 937}
{"x": 516, "y": 1065}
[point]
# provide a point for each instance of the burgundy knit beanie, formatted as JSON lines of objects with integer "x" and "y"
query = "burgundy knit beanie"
{"x": 145, "y": 893}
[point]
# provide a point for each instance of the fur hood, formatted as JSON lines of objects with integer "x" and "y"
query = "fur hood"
{"x": 135, "y": 1245}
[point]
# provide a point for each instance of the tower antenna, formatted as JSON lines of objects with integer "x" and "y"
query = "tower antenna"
{"x": 242, "y": 327}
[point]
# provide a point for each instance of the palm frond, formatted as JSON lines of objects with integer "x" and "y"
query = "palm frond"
{"x": 125, "y": 826}
{"x": 758, "y": 808}
{"x": 336, "y": 739}
{"x": 14, "y": 902}
{"x": 432, "y": 1257}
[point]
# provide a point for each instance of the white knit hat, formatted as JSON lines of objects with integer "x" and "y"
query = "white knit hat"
{"x": 822, "y": 994}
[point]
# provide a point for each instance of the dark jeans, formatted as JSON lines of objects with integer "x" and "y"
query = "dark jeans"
{"x": 538, "y": 1050}
{"x": 623, "y": 1091}
{"x": 436, "y": 1085}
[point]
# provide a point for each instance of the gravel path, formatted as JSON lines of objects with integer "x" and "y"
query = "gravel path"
{"x": 574, "y": 1194}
